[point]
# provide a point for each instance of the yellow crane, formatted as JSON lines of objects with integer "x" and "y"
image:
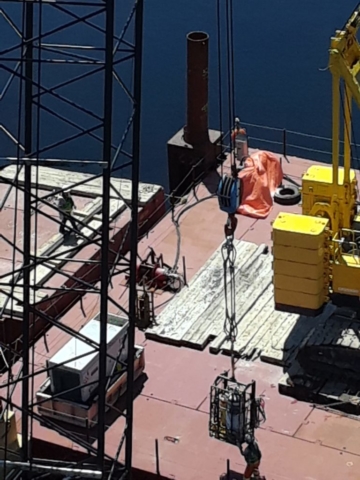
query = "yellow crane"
{"x": 316, "y": 254}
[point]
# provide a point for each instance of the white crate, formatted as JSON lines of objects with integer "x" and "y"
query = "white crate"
{"x": 84, "y": 372}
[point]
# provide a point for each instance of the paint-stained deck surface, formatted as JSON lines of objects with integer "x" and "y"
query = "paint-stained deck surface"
{"x": 298, "y": 441}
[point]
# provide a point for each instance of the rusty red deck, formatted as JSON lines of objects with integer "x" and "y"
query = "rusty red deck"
{"x": 299, "y": 442}
{"x": 84, "y": 265}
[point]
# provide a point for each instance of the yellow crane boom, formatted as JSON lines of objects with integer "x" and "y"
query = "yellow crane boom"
{"x": 316, "y": 254}
{"x": 344, "y": 64}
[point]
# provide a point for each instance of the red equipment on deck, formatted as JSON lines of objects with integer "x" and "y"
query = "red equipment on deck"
{"x": 153, "y": 273}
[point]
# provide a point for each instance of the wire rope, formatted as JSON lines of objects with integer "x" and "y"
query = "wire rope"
{"x": 218, "y": 24}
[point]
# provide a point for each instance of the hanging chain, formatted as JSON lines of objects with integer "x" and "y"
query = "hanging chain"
{"x": 228, "y": 251}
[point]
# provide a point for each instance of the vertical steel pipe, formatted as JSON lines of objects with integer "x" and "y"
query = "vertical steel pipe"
{"x": 196, "y": 130}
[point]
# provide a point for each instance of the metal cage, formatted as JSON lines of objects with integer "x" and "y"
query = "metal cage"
{"x": 234, "y": 410}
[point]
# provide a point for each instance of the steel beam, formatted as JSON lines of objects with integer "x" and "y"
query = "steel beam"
{"x": 134, "y": 235}
{"x": 107, "y": 138}
{"x": 28, "y": 119}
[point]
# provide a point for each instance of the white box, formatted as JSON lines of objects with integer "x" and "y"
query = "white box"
{"x": 84, "y": 372}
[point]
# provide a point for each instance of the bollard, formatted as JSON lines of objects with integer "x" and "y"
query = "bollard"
{"x": 157, "y": 457}
{"x": 285, "y": 145}
{"x": 184, "y": 272}
{"x": 284, "y": 142}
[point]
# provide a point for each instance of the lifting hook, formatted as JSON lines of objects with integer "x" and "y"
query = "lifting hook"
{"x": 230, "y": 226}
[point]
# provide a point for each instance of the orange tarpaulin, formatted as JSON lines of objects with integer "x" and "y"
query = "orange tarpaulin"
{"x": 261, "y": 176}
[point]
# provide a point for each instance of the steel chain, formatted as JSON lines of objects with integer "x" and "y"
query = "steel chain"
{"x": 230, "y": 326}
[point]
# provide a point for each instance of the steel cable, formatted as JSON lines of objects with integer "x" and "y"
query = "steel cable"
{"x": 229, "y": 75}
{"x": 218, "y": 18}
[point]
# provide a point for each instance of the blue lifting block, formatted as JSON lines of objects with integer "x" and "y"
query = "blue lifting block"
{"x": 229, "y": 194}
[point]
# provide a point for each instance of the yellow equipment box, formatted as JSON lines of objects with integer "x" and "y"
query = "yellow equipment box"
{"x": 304, "y": 285}
{"x": 301, "y": 263}
{"x": 346, "y": 275}
{"x": 299, "y": 270}
{"x": 298, "y": 302}
{"x": 317, "y": 187}
{"x": 292, "y": 254}
{"x": 299, "y": 231}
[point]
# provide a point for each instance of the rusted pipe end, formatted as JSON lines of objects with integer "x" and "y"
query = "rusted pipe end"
{"x": 197, "y": 37}
{"x": 196, "y": 129}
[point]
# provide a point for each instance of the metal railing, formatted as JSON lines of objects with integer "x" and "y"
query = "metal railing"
{"x": 346, "y": 241}
{"x": 292, "y": 143}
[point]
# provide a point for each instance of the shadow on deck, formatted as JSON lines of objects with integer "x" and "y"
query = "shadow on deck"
{"x": 115, "y": 411}
{"x": 66, "y": 455}
{"x": 231, "y": 475}
{"x": 320, "y": 361}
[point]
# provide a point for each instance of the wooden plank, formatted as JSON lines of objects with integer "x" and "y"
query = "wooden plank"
{"x": 13, "y": 299}
{"x": 207, "y": 324}
{"x": 200, "y": 294}
{"x": 116, "y": 207}
{"x": 254, "y": 335}
{"x": 252, "y": 315}
{"x": 42, "y": 273}
{"x": 261, "y": 340}
{"x": 331, "y": 331}
{"x": 250, "y": 271}
{"x": 191, "y": 302}
{"x": 210, "y": 292}
{"x": 350, "y": 337}
{"x": 329, "y": 392}
{"x": 57, "y": 240}
{"x": 345, "y": 333}
{"x": 252, "y": 321}
{"x": 11, "y": 307}
{"x": 85, "y": 215}
{"x": 268, "y": 353}
{"x": 282, "y": 348}
{"x": 248, "y": 301}
{"x": 52, "y": 178}
{"x": 324, "y": 327}
{"x": 297, "y": 384}
{"x": 264, "y": 307}
{"x": 333, "y": 390}
{"x": 197, "y": 314}
{"x": 274, "y": 353}
{"x": 35, "y": 295}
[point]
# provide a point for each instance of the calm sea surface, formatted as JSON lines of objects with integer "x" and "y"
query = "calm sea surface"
{"x": 281, "y": 52}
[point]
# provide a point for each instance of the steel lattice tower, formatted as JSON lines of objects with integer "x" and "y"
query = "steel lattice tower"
{"x": 68, "y": 60}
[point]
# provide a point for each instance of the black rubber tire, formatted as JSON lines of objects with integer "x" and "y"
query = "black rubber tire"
{"x": 287, "y": 195}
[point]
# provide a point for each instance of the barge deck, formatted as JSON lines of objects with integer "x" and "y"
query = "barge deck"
{"x": 299, "y": 440}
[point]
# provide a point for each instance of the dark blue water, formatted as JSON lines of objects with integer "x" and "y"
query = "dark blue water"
{"x": 281, "y": 51}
